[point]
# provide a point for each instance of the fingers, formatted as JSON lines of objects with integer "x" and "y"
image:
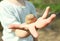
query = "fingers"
{"x": 33, "y": 32}
{"x": 51, "y": 18}
{"x": 46, "y": 12}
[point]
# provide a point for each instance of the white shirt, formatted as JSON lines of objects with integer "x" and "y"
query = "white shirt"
{"x": 13, "y": 14}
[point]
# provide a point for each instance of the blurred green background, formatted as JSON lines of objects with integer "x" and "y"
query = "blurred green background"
{"x": 54, "y": 4}
{"x": 52, "y": 31}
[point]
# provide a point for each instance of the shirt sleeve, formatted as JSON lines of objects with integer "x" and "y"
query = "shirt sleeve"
{"x": 7, "y": 18}
{"x": 32, "y": 9}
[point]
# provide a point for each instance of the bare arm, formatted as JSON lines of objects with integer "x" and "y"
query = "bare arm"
{"x": 20, "y": 30}
{"x": 30, "y": 18}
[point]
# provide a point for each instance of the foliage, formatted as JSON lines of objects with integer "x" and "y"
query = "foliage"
{"x": 0, "y": 0}
{"x": 54, "y": 4}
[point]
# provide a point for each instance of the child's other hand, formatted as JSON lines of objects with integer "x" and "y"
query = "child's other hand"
{"x": 30, "y": 18}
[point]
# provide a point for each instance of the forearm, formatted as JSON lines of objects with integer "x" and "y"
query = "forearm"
{"x": 22, "y": 33}
{"x": 20, "y": 30}
{"x": 30, "y": 27}
{"x": 18, "y": 26}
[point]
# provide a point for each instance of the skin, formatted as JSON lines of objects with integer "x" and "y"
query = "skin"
{"x": 30, "y": 18}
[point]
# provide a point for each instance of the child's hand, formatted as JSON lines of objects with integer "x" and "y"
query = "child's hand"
{"x": 30, "y": 18}
{"x": 43, "y": 21}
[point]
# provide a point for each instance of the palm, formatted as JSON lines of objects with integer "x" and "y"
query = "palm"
{"x": 41, "y": 22}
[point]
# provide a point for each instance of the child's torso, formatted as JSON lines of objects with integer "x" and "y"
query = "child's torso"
{"x": 19, "y": 12}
